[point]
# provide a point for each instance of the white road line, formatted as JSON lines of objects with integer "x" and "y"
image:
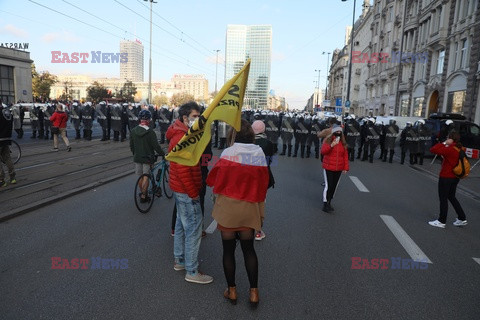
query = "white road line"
{"x": 35, "y": 183}
{"x": 35, "y": 165}
{"x": 358, "y": 184}
{"x": 477, "y": 260}
{"x": 211, "y": 228}
{"x": 412, "y": 249}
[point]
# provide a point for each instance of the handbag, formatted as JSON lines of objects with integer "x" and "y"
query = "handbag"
{"x": 55, "y": 130}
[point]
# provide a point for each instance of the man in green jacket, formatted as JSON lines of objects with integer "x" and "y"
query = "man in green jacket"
{"x": 144, "y": 144}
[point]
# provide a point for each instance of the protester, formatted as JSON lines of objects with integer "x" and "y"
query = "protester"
{"x": 186, "y": 182}
{"x": 240, "y": 181}
{"x": 447, "y": 182}
{"x": 144, "y": 144}
{"x": 59, "y": 127}
{"x": 268, "y": 149}
{"x": 6, "y": 127}
{"x": 335, "y": 161}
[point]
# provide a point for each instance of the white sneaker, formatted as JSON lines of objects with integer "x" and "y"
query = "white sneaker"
{"x": 437, "y": 224}
{"x": 259, "y": 235}
{"x": 460, "y": 223}
{"x": 198, "y": 277}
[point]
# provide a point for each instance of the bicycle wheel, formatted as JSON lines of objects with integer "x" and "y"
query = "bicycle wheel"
{"x": 15, "y": 152}
{"x": 166, "y": 184}
{"x": 144, "y": 204}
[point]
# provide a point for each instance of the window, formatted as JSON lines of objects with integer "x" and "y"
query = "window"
{"x": 419, "y": 107}
{"x": 463, "y": 56}
{"x": 456, "y": 57}
{"x": 404, "y": 112}
{"x": 439, "y": 18}
{"x": 455, "y": 101}
{"x": 440, "y": 61}
{"x": 7, "y": 90}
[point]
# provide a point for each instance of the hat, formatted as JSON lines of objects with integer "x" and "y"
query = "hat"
{"x": 336, "y": 128}
{"x": 258, "y": 126}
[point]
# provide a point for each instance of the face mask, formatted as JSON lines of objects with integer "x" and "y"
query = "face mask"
{"x": 191, "y": 121}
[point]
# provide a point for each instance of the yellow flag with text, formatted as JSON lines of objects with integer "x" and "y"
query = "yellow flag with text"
{"x": 226, "y": 106}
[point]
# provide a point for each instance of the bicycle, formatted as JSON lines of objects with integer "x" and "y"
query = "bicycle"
{"x": 15, "y": 150}
{"x": 152, "y": 184}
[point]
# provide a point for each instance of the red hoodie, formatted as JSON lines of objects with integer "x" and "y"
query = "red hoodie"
{"x": 336, "y": 158}
{"x": 59, "y": 119}
{"x": 183, "y": 179}
{"x": 450, "y": 159}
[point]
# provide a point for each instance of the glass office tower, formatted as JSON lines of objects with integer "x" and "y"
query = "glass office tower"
{"x": 250, "y": 42}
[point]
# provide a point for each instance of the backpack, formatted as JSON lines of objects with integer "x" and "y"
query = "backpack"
{"x": 462, "y": 169}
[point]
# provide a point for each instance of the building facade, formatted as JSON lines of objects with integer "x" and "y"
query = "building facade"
{"x": 15, "y": 76}
{"x": 132, "y": 69}
{"x": 195, "y": 84}
{"x": 250, "y": 42}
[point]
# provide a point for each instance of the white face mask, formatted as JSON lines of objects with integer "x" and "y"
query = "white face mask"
{"x": 191, "y": 121}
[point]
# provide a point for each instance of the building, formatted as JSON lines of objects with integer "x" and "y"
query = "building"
{"x": 195, "y": 84}
{"x": 275, "y": 102}
{"x": 15, "y": 76}
{"x": 133, "y": 69}
{"x": 250, "y": 42}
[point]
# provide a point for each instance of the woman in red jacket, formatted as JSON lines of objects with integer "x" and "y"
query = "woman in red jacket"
{"x": 447, "y": 182}
{"x": 335, "y": 161}
{"x": 59, "y": 120}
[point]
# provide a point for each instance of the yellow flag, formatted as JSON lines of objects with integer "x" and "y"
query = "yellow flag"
{"x": 226, "y": 106}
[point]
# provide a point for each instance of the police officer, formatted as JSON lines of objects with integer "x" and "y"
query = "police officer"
{"x": 363, "y": 137}
{"x": 222, "y": 135}
{"x": 300, "y": 134}
{"x": 272, "y": 129}
{"x": 352, "y": 133}
{"x": 18, "y": 115}
{"x": 153, "y": 111}
{"x": 215, "y": 132}
{"x": 164, "y": 121}
{"x": 116, "y": 116}
{"x": 314, "y": 128}
{"x": 286, "y": 132}
{"x": 408, "y": 142}
{"x": 372, "y": 139}
{"x": 381, "y": 130}
{"x": 88, "y": 114}
{"x": 133, "y": 111}
{"x": 446, "y": 128}
{"x": 48, "y": 111}
{"x": 76, "y": 118}
{"x": 125, "y": 121}
{"x": 34, "y": 120}
{"x": 391, "y": 134}
{"x": 102, "y": 112}
{"x": 424, "y": 135}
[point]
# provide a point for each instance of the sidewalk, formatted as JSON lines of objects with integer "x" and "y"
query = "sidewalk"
{"x": 470, "y": 185}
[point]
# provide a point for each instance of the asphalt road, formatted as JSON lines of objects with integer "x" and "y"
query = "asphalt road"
{"x": 305, "y": 260}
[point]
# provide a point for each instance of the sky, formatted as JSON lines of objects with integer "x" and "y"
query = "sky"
{"x": 184, "y": 36}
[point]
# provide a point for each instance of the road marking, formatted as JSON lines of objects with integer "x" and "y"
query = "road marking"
{"x": 211, "y": 228}
{"x": 35, "y": 165}
{"x": 358, "y": 184}
{"x": 412, "y": 249}
{"x": 477, "y": 260}
{"x": 35, "y": 183}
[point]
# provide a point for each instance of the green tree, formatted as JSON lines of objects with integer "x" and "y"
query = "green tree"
{"x": 98, "y": 92}
{"x": 161, "y": 100}
{"x": 180, "y": 98}
{"x": 127, "y": 93}
{"x": 42, "y": 84}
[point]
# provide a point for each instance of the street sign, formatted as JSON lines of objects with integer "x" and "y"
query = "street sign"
{"x": 326, "y": 103}
{"x": 347, "y": 104}
{"x": 338, "y": 110}
{"x": 338, "y": 102}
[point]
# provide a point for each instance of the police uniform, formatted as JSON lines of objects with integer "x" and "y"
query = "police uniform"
{"x": 103, "y": 119}
{"x": 18, "y": 115}
{"x": 116, "y": 116}
{"x": 164, "y": 121}
{"x": 352, "y": 133}
{"x": 372, "y": 139}
{"x": 286, "y": 132}
{"x": 424, "y": 136}
{"x": 76, "y": 118}
{"x": 47, "y": 113}
{"x": 88, "y": 114}
{"x": 34, "y": 120}
{"x": 313, "y": 129}
{"x": 300, "y": 134}
{"x": 408, "y": 142}
{"x": 391, "y": 134}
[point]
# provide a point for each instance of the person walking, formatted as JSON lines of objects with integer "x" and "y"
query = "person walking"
{"x": 447, "y": 182}
{"x": 335, "y": 161}
{"x": 59, "y": 127}
{"x": 269, "y": 150}
{"x": 186, "y": 183}
{"x": 6, "y": 127}
{"x": 240, "y": 181}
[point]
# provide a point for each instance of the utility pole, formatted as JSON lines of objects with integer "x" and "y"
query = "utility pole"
{"x": 347, "y": 103}
{"x": 328, "y": 73}
{"x": 318, "y": 89}
{"x": 216, "y": 71}
{"x": 150, "y": 59}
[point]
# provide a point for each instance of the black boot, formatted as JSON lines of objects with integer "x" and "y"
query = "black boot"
{"x": 412, "y": 159}
{"x": 46, "y": 135}
{"x": 390, "y": 159}
{"x": 104, "y": 135}
{"x": 34, "y": 134}
{"x": 89, "y": 135}
{"x": 326, "y": 207}
{"x": 284, "y": 150}
{"x": 116, "y": 135}
{"x": 302, "y": 151}
{"x": 77, "y": 134}
{"x": 308, "y": 152}
{"x": 329, "y": 204}
{"x": 384, "y": 156}
{"x": 289, "y": 150}
{"x": 402, "y": 159}
{"x": 108, "y": 134}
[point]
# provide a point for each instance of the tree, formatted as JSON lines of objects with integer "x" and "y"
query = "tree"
{"x": 98, "y": 92}
{"x": 42, "y": 84}
{"x": 161, "y": 100}
{"x": 127, "y": 92}
{"x": 180, "y": 98}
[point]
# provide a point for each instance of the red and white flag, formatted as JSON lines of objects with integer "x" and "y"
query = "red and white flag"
{"x": 472, "y": 153}
{"x": 241, "y": 173}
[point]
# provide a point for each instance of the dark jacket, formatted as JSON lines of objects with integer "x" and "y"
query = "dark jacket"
{"x": 143, "y": 143}
{"x": 269, "y": 149}
{"x": 6, "y": 126}
{"x": 183, "y": 179}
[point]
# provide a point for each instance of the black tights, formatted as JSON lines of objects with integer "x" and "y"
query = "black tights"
{"x": 250, "y": 257}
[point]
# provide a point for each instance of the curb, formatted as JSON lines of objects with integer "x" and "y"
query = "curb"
{"x": 44, "y": 202}
{"x": 469, "y": 192}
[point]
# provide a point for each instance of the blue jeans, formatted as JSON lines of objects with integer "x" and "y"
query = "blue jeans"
{"x": 188, "y": 232}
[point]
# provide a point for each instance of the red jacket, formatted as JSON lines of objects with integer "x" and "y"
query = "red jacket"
{"x": 183, "y": 179}
{"x": 450, "y": 159}
{"x": 59, "y": 119}
{"x": 336, "y": 158}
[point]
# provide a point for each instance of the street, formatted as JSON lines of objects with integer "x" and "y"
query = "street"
{"x": 305, "y": 261}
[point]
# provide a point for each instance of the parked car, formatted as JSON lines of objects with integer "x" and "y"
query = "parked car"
{"x": 469, "y": 131}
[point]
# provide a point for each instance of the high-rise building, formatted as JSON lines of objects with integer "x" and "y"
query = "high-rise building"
{"x": 250, "y": 42}
{"x": 132, "y": 69}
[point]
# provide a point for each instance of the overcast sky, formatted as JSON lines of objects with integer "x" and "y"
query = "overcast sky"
{"x": 185, "y": 35}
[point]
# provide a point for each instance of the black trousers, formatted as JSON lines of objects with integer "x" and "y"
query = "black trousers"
{"x": 331, "y": 183}
{"x": 447, "y": 187}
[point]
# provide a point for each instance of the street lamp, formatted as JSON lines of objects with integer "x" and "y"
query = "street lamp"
{"x": 326, "y": 80}
{"x": 216, "y": 70}
{"x": 318, "y": 88}
{"x": 347, "y": 103}
{"x": 150, "y": 59}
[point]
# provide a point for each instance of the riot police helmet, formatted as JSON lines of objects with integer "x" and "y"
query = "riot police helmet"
{"x": 421, "y": 121}
{"x": 144, "y": 115}
{"x": 392, "y": 122}
{"x": 102, "y": 103}
{"x": 448, "y": 122}
{"x": 409, "y": 124}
